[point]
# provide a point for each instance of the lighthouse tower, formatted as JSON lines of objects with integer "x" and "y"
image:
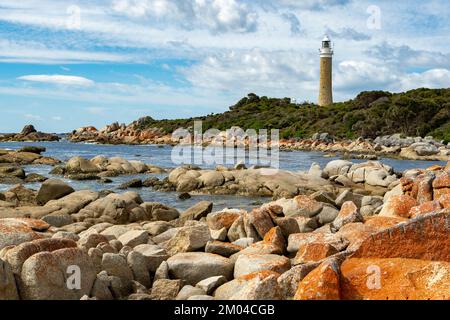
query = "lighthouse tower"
{"x": 326, "y": 72}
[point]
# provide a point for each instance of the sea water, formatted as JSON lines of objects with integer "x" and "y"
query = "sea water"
{"x": 160, "y": 155}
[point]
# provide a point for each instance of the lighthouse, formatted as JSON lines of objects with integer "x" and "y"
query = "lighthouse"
{"x": 326, "y": 73}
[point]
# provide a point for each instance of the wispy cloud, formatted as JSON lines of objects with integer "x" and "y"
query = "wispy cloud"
{"x": 292, "y": 19}
{"x": 314, "y": 4}
{"x": 58, "y": 79}
{"x": 348, "y": 34}
{"x": 255, "y": 71}
{"x": 21, "y": 51}
{"x": 407, "y": 56}
{"x": 214, "y": 15}
{"x": 33, "y": 117}
{"x": 96, "y": 110}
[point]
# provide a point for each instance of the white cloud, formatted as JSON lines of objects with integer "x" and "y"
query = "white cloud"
{"x": 96, "y": 110}
{"x": 407, "y": 56}
{"x": 434, "y": 79}
{"x": 361, "y": 75}
{"x": 57, "y": 118}
{"x": 314, "y": 4}
{"x": 293, "y": 21}
{"x": 215, "y": 15}
{"x": 106, "y": 97}
{"x": 36, "y": 52}
{"x": 268, "y": 73}
{"x": 355, "y": 76}
{"x": 58, "y": 79}
{"x": 348, "y": 34}
{"x": 33, "y": 117}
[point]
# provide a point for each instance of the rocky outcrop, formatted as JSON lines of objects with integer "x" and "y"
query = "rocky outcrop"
{"x": 116, "y": 133}
{"x": 29, "y": 133}
{"x": 53, "y": 189}
{"x": 11, "y": 174}
{"x": 24, "y": 157}
{"x": 78, "y": 168}
{"x": 413, "y": 148}
{"x": 338, "y": 182}
{"x": 141, "y": 132}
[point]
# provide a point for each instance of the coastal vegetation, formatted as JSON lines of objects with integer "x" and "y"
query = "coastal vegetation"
{"x": 420, "y": 112}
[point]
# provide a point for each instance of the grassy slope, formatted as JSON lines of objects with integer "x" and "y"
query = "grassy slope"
{"x": 418, "y": 112}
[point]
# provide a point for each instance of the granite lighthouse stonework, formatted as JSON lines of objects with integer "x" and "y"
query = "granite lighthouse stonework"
{"x": 326, "y": 73}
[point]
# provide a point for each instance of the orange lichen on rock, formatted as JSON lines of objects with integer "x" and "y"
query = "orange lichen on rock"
{"x": 425, "y": 208}
{"x": 263, "y": 274}
{"x": 394, "y": 279}
{"x": 398, "y": 206}
{"x": 444, "y": 200}
{"x": 380, "y": 223}
{"x": 426, "y": 237}
{"x": 222, "y": 219}
{"x": 407, "y": 186}
{"x": 308, "y": 205}
{"x": 275, "y": 237}
{"x": 313, "y": 252}
{"x": 322, "y": 283}
{"x": 441, "y": 185}
{"x": 261, "y": 221}
{"x": 442, "y": 180}
{"x": 349, "y": 213}
{"x": 440, "y": 192}
{"x": 355, "y": 233}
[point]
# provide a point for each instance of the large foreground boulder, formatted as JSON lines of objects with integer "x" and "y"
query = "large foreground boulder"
{"x": 196, "y": 266}
{"x": 426, "y": 238}
{"x": 16, "y": 231}
{"x": 190, "y": 238}
{"x": 320, "y": 284}
{"x": 249, "y": 263}
{"x": 53, "y": 189}
{"x": 46, "y": 275}
{"x": 395, "y": 279}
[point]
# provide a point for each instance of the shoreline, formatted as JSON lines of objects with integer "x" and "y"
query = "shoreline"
{"x": 392, "y": 146}
{"x": 328, "y": 150}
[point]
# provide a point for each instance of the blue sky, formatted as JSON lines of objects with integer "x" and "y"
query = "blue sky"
{"x": 66, "y": 64}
